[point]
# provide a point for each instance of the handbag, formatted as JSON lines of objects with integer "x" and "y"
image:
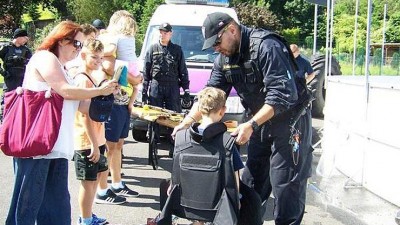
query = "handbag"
{"x": 31, "y": 122}
{"x": 100, "y": 106}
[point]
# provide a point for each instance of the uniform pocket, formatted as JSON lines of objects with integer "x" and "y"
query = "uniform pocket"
{"x": 200, "y": 178}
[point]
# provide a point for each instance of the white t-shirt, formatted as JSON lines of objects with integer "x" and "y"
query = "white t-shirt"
{"x": 64, "y": 146}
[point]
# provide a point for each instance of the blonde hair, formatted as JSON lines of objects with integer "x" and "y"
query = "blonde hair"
{"x": 122, "y": 22}
{"x": 210, "y": 100}
{"x": 93, "y": 45}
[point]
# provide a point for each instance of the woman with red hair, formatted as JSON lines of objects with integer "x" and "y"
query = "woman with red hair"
{"x": 41, "y": 183}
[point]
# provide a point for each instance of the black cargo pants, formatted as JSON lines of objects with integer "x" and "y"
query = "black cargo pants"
{"x": 271, "y": 166}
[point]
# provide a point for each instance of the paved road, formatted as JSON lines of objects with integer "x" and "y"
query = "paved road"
{"x": 325, "y": 204}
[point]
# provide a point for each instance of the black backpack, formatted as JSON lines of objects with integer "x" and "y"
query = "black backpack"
{"x": 203, "y": 180}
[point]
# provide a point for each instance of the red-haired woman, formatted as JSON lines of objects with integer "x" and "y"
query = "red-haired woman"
{"x": 41, "y": 183}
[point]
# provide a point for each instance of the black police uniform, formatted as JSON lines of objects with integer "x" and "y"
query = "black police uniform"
{"x": 304, "y": 67}
{"x": 14, "y": 62}
{"x": 165, "y": 72}
{"x": 272, "y": 165}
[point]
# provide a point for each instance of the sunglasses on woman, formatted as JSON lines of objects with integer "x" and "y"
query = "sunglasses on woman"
{"x": 77, "y": 44}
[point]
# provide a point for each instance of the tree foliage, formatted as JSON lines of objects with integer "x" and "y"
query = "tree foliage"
{"x": 257, "y": 16}
{"x": 344, "y": 33}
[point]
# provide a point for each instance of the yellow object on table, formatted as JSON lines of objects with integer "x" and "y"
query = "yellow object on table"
{"x": 159, "y": 115}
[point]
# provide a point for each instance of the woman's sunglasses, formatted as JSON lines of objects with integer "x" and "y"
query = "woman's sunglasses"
{"x": 77, "y": 44}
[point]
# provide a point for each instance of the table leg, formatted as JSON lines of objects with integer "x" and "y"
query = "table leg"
{"x": 153, "y": 151}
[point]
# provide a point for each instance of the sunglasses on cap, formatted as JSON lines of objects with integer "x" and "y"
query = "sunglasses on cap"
{"x": 218, "y": 40}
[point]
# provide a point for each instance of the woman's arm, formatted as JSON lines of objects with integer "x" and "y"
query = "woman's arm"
{"x": 53, "y": 75}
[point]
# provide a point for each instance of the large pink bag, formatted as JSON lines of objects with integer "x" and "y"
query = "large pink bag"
{"x": 31, "y": 122}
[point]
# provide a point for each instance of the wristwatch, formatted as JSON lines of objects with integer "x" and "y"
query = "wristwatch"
{"x": 254, "y": 124}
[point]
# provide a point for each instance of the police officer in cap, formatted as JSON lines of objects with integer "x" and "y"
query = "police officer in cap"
{"x": 261, "y": 67}
{"x": 165, "y": 72}
{"x": 15, "y": 56}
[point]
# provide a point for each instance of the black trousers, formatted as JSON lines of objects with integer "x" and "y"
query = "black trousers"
{"x": 272, "y": 167}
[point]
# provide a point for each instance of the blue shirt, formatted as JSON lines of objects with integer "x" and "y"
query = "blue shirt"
{"x": 304, "y": 67}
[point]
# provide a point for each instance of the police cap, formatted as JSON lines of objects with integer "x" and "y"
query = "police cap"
{"x": 165, "y": 27}
{"x": 20, "y": 33}
{"x": 212, "y": 25}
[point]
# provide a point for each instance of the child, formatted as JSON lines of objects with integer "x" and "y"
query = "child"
{"x": 89, "y": 138}
{"x": 207, "y": 134}
{"x": 121, "y": 46}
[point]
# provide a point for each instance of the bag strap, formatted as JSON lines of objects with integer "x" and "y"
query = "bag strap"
{"x": 89, "y": 78}
{"x": 230, "y": 184}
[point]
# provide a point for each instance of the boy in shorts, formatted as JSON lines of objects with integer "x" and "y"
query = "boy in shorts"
{"x": 89, "y": 136}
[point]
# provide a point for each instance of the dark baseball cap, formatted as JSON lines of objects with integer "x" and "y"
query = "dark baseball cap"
{"x": 212, "y": 25}
{"x": 98, "y": 24}
{"x": 20, "y": 33}
{"x": 165, "y": 27}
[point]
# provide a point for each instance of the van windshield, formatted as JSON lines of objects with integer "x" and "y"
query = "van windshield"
{"x": 190, "y": 38}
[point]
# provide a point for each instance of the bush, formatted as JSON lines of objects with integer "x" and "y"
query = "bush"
{"x": 291, "y": 35}
{"x": 395, "y": 61}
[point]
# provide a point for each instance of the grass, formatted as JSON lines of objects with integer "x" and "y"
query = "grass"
{"x": 347, "y": 69}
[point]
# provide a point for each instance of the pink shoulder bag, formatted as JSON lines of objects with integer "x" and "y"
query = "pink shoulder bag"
{"x": 31, "y": 122}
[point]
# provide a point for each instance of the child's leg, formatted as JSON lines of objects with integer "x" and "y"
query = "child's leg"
{"x": 87, "y": 192}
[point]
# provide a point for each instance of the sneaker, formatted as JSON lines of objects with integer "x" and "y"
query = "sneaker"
{"x": 125, "y": 191}
{"x": 110, "y": 198}
{"x": 92, "y": 223}
{"x": 99, "y": 220}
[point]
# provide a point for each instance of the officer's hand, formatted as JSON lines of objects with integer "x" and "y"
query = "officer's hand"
{"x": 243, "y": 133}
{"x": 186, "y": 96}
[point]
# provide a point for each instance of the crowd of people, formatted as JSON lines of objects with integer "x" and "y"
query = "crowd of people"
{"x": 81, "y": 63}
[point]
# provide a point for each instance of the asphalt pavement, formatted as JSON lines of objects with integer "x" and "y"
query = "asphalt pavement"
{"x": 329, "y": 201}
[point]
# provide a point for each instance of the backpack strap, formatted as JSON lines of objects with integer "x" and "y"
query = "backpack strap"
{"x": 88, "y": 78}
{"x": 228, "y": 141}
{"x": 230, "y": 184}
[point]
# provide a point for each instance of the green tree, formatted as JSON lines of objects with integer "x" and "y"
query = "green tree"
{"x": 393, "y": 29}
{"x": 257, "y": 16}
{"x": 299, "y": 14}
{"x": 344, "y": 33}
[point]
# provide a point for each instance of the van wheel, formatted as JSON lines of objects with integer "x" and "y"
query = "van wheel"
{"x": 318, "y": 83}
{"x": 139, "y": 135}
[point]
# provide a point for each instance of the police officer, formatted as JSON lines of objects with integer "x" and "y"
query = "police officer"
{"x": 305, "y": 69}
{"x": 165, "y": 72}
{"x": 260, "y": 66}
{"x": 15, "y": 56}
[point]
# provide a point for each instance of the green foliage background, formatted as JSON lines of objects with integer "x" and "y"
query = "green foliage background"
{"x": 292, "y": 18}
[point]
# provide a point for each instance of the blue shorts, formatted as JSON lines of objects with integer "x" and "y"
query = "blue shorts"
{"x": 117, "y": 125}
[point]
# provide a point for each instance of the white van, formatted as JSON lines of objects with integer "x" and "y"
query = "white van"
{"x": 186, "y": 21}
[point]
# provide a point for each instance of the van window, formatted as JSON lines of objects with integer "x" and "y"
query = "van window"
{"x": 190, "y": 38}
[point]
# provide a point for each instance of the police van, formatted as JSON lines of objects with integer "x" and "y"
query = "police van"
{"x": 186, "y": 18}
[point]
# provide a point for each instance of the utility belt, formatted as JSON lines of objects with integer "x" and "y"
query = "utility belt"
{"x": 287, "y": 115}
{"x": 165, "y": 82}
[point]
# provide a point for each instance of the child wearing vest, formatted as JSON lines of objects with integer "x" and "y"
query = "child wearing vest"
{"x": 212, "y": 106}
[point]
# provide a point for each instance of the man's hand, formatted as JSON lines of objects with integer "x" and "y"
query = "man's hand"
{"x": 186, "y": 96}
{"x": 243, "y": 133}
